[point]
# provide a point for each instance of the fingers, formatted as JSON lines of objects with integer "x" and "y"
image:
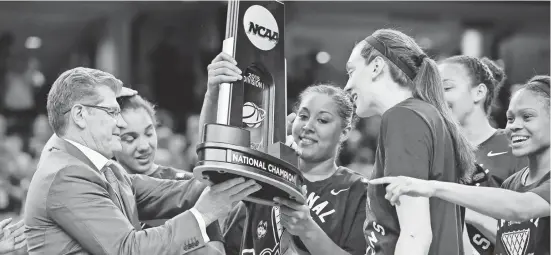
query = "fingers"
{"x": 382, "y": 180}
{"x": 304, "y": 190}
{"x": 227, "y": 184}
{"x": 246, "y": 192}
{"x": 19, "y": 238}
{"x": 5, "y": 222}
{"x": 287, "y": 203}
{"x": 126, "y": 92}
{"x": 240, "y": 187}
{"x": 17, "y": 229}
{"x": 224, "y": 65}
{"x": 290, "y": 118}
{"x": 17, "y": 225}
{"x": 223, "y": 56}
{"x": 21, "y": 244}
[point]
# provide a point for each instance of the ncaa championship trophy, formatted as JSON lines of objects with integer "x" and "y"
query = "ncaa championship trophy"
{"x": 248, "y": 138}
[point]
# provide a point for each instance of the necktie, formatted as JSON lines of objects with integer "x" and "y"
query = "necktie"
{"x": 114, "y": 183}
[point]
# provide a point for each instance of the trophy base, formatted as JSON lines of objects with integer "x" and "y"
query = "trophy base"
{"x": 218, "y": 172}
{"x": 226, "y": 154}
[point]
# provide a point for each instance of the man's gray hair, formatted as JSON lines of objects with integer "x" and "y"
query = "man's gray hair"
{"x": 73, "y": 86}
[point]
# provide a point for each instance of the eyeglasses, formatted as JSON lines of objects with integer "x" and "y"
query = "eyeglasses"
{"x": 111, "y": 111}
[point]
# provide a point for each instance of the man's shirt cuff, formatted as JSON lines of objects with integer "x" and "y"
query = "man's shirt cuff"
{"x": 202, "y": 225}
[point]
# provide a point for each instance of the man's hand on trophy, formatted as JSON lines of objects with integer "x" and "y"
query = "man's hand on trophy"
{"x": 218, "y": 200}
{"x": 222, "y": 69}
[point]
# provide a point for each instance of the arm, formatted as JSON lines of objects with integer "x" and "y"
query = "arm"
{"x": 163, "y": 199}
{"x": 486, "y": 225}
{"x": 318, "y": 242}
{"x": 496, "y": 202}
{"x": 408, "y": 149}
{"x": 208, "y": 111}
{"x": 414, "y": 216}
{"x": 222, "y": 69}
{"x": 79, "y": 203}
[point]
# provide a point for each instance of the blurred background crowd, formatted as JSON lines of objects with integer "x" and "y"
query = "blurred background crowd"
{"x": 162, "y": 49}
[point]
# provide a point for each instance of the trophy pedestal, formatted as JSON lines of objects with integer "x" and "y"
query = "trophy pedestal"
{"x": 226, "y": 154}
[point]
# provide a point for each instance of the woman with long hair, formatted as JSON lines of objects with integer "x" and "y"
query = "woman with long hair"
{"x": 522, "y": 202}
{"x": 390, "y": 75}
{"x": 331, "y": 220}
{"x": 470, "y": 85}
{"x": 139, "y": 147}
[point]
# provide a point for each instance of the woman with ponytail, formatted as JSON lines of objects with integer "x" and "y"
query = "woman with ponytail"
{"x": 390, "y": 75}
{"x": 522, "y": 202}
{"x": 470, "y": 85}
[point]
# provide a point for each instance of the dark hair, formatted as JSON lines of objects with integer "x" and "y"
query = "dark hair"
{"x": 483, "y": 71}
{"x": 539, "y": 85}
{"x": 343, "y": 100}
{"x": 137, "y": 102}
{"x": 425, "y": 85}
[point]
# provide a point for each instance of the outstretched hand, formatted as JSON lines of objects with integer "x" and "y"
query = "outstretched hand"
{"x": 12, "y": 237}
{"x": 402, "y": 185}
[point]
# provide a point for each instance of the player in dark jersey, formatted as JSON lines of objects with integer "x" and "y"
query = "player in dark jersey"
{"x": 139, "y": 145}
{"x": 390, "y": 75}
{"x": 470, "y": 86}
{"x": 331, "y": 221}
{"x": 522, "y": 204}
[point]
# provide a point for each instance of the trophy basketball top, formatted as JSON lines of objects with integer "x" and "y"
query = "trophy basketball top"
{"x": 248, "y": 138}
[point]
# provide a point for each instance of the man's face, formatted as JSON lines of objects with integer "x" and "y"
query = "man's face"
{"x": 102, "y": 123}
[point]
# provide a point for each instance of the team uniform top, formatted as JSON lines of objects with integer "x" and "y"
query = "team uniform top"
{"x": 530, "y": 237}
{"x": 495, "y": 156}
{"x": 169, "y": 173}
{"x": 414, "y": 141}
{"x": 337, "y": 205}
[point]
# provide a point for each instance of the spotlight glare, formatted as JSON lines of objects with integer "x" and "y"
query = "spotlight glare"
{"x": 323, "y": 57}
{"x": 33, "y": 42}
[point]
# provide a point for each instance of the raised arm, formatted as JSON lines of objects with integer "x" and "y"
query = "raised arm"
{"x": 223, "y": 69}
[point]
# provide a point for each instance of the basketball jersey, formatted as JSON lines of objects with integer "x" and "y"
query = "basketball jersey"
{"x": 414, "y": 141}
{"x": 496, "y": 158}
{"x": 337, "y": 205}
{"x": 530, "y": 237}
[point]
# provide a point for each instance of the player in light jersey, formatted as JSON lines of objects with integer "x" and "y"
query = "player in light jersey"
{"x": 390, "y": 75}
{"x": 470, "y": 86}
{"x": 331, "y": 220}
{"x": 522, "y": 203}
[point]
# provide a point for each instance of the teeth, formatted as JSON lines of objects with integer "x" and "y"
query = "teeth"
{"x": 519, "y": 139}
{"x": 306, "y": 141}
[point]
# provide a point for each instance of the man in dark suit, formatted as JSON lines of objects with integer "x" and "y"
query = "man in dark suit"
{"x": 80, "y": 202}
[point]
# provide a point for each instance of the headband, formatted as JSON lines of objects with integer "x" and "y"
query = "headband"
{"x": 381, "y": 47}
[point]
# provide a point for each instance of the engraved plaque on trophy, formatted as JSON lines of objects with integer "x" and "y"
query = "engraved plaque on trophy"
{"x": 248, "y": 138}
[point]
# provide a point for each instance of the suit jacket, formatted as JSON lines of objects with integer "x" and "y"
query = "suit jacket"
{"x": 169, "y": 173}
{"x": 70, "y": 209}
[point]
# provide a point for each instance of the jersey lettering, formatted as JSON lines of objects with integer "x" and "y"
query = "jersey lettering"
{"x": 481, "y": 241}
{"x": 318, "y": 209}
